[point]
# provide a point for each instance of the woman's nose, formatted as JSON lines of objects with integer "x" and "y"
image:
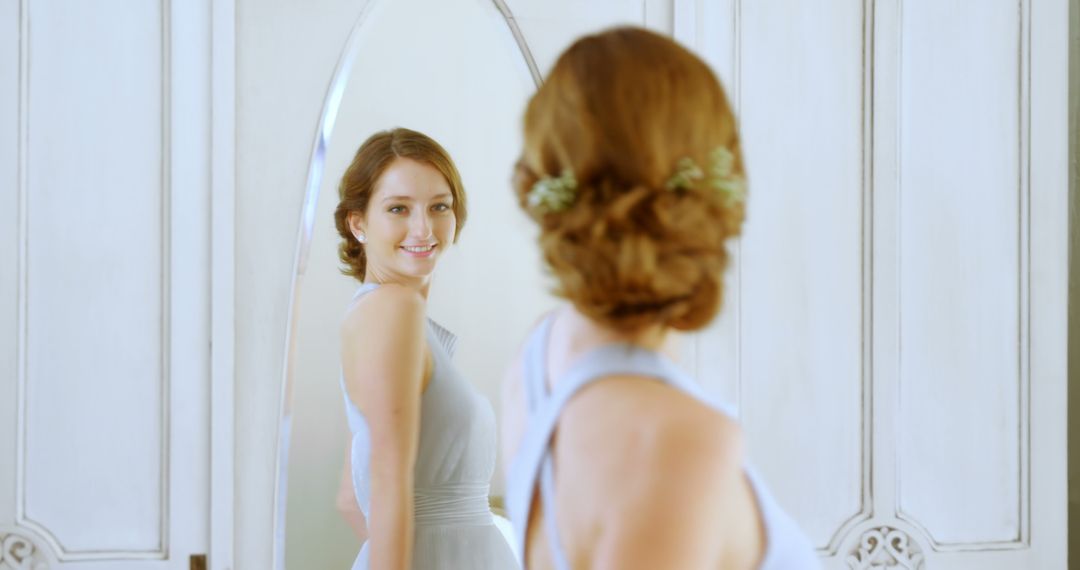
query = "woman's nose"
{"x": 420, "y": 226}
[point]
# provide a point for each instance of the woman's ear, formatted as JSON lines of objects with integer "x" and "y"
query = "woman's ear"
{"x": 356, "y": 226}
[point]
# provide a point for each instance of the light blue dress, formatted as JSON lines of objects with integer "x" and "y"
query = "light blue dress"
{"x": 454, "y": 526}
{"x": 786, "y": 546}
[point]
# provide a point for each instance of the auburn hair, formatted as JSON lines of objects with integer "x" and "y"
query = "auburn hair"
{"x": 619, "y": 110}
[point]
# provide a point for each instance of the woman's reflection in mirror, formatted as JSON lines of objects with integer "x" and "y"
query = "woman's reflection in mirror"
{"x": 422, "y": 447}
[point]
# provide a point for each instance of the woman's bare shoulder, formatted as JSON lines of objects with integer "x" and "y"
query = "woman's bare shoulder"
{"x": 386, "y": 304}
{"x": 382, "y": 336}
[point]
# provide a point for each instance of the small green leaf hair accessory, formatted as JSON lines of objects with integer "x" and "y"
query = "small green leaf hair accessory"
{"x": 722, "y": 177}
{"x": 686, "y": 173}
{"x": 554, "y": 194}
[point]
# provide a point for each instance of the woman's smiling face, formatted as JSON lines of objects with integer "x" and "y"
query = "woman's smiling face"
{"x": 409, "y": 222}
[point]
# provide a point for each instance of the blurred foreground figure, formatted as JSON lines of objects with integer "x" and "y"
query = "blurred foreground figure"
{"x": 633, "y": 172}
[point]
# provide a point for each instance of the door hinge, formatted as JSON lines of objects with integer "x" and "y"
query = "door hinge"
{"x": 198, "y": 562}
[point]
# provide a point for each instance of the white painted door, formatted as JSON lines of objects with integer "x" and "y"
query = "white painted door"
{"x": 105, "y": 286}
{"x": 895, "y": 333}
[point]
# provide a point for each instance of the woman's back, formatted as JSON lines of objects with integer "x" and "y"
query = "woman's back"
{"x": 645, "y": 473}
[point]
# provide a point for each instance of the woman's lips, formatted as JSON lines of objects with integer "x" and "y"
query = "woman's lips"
{"x": 419, "y": 250}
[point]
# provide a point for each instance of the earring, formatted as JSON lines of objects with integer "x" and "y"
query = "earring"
{"x": 361, "y": 238}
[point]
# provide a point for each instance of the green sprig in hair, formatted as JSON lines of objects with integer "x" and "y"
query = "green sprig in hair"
{"x": 558, "y": 194}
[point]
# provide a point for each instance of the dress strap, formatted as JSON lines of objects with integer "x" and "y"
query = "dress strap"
{"x": 551, "y": 527}
{"x": 535, "y": 360}
{"x": 364, "y": 289}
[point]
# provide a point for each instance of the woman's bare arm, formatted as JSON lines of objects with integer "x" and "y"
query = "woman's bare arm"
{"x": 383, "y": 358}
{"x": 346, "y": 500}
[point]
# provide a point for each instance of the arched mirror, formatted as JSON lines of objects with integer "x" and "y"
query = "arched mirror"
{"x": 459, "y": 71}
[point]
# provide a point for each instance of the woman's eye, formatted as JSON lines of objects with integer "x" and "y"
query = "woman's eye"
{"x": 396, "y": 209}
{"x": 441, "y": 207}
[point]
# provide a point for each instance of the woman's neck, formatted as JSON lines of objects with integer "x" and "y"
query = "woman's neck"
{"x": 587, "y": 331}
{"x": 421, "y": 285}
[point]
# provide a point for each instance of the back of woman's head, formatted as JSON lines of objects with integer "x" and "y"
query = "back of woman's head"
{"x": 633, "y": 171}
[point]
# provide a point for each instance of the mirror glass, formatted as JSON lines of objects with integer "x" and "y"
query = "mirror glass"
{"x": 459, "y": 75}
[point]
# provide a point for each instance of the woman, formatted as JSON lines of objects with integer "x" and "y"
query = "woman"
{"x": 423, "y": 441}
{"x": 633, "y": 172}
